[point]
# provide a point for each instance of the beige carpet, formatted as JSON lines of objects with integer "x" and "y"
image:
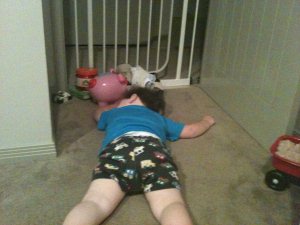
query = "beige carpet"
{"x": 222, "y": 173}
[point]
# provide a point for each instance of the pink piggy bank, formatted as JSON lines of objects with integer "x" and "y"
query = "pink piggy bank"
{"x": 108, "y": 88}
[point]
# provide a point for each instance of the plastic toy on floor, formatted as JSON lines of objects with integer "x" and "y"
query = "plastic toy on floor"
{"x": 108, "y": 88}
{"x": 83, "y": 77}
{"x": 61, "y": 97}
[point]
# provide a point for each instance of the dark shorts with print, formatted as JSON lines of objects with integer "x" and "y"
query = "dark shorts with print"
{"x": 138, "y": 164}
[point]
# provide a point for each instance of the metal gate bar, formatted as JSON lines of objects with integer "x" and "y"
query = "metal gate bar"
{"x": 178, "y": 80}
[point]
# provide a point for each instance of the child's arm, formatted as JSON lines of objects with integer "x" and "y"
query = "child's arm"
{"x": 196, "y": 129}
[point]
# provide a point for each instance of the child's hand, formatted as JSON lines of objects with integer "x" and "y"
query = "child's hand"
{"x": 209, "y": 119}
{"x": 198, "y": 128}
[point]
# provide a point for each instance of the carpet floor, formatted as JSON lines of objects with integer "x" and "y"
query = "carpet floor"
{"x": 222, "y": 172}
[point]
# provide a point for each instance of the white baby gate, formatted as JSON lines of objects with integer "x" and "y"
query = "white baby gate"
{"x": 137, "y": 32}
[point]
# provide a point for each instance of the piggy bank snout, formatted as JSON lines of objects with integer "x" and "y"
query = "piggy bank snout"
{"x": 122, "y": 79}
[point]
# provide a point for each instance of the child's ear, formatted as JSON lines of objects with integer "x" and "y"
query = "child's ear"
{"x": 133, "y": 97}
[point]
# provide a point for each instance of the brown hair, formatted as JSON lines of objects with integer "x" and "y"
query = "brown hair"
{"x": 153, "y": 99}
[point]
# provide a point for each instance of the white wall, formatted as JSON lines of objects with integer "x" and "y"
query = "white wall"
{"x": 25, "y": 116}
{"x": 251, "y": 64}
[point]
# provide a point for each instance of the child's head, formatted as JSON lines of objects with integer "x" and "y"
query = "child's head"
{"x": 151, "y": 98}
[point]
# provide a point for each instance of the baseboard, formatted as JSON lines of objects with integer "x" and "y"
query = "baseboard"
{"x": 39, "y": 151}
{"x": 175, "y": 82}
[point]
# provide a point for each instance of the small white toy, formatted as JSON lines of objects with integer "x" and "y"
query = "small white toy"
{"x": 142, "y": 78}
{"x": 138, "y": 76}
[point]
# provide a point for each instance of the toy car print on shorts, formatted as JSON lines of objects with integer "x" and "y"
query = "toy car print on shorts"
{"x": 138, "y": 164}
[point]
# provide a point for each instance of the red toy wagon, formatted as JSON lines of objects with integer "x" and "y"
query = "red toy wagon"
{"x": 286, "y": 171}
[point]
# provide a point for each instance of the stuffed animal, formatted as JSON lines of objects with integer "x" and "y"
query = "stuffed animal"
{"x": 142, "y": 78}
{"x": 138, "y": 76}
{"x": 108, "y": 88}
{"x": 125, "y": 69}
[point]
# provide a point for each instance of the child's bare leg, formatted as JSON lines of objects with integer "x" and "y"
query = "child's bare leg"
{"x": 102, "y": 197}
{"x": 168, "y": 207}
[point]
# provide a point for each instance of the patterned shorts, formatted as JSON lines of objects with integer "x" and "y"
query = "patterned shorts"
{"x": 138, "y": 164}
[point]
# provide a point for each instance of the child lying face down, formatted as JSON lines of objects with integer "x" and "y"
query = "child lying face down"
{"x": 134, "y": 159}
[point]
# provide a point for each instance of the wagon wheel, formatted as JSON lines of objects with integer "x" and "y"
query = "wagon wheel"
{"x": 276, "y": 180}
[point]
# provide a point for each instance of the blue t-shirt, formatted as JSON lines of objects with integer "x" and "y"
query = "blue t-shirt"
{"x": 119, "y": 121}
